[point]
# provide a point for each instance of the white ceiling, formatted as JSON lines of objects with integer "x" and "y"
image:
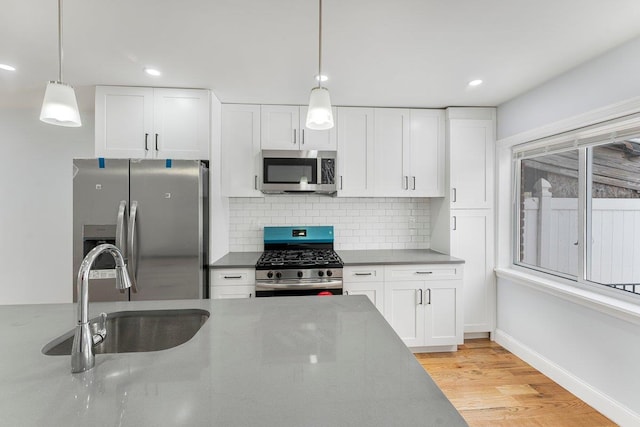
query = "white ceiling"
{"x": 414, "y": 53}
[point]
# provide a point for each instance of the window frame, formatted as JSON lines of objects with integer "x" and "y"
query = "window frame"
{"x": 582, "y": 140}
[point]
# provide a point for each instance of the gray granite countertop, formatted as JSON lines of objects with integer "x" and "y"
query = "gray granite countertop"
{"x": 237, "y": 260}
{"x": 351, "y": 257}
{"x": 397, "y": 256}
{"x": 296, "y": 361}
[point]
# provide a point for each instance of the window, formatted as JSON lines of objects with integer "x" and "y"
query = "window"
{"x": 549, "y": 212}
{"x": 578, "y": 208}
{"x": 613, "y": 258}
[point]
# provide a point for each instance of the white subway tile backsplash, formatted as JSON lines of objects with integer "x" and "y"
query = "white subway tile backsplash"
{"x": 359, "y": 223}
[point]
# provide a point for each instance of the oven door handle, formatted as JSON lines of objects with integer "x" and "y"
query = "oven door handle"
{"x": 298, "y": 284}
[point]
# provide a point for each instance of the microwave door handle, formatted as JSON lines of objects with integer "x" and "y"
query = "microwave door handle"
{"x": 132, "y": 265}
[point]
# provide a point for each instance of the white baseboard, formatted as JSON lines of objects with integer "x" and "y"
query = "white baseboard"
{"x": 434, "y": 349}
{"x": 475, "y": 335}
{"x": 609, "y": 407}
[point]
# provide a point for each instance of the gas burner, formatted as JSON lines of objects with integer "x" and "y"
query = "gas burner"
{"x": 299, "y": 258}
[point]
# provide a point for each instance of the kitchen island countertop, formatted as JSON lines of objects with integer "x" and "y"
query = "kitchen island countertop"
{"x": 292, "y": 361}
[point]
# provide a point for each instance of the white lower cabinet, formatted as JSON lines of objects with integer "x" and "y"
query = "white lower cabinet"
{"x": 423, "y": 304}
{"x": 472, "y": 240}
{"x": 233, "y": 283}
{"x": 365, "y": 280}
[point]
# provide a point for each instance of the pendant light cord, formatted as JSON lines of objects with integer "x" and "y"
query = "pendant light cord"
{"x": 60, "y": 40}
{"x": 319, "y": 44}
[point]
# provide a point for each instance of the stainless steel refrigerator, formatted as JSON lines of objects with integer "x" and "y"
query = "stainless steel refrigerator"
{"x": 156, "y": 211}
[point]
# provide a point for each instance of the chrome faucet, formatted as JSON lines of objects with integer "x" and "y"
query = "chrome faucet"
{"x": 82, "y": 356}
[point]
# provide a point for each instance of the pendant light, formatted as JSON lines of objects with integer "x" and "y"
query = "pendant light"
{"x": 59, "y": 106}
{"x": 319, "y": 114}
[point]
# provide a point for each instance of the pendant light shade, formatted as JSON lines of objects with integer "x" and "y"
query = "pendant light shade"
{"x": 319, "y": 114}
{"x": 59, "y": 106}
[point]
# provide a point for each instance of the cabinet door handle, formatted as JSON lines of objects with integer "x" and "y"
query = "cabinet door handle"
{"x": 156, "y": 142}
{"x": 406, "y": 182}
{"x": 250, "y": 294}
{"x": 255, "y": 182}
{"x": 455, "y": 195}
{"x": 302, "y": 136}
{"x": 346, "y": 292}
{"x": 419, "y": 291}
{"x": 414, "y": 182}
{"x": 455, "y": 223}
{"x": 428, "y": 299}
{"x": 233, "y": 277}
{"x": 341, "y": 182}
{"x": 424, "y": 272}
{"x": 362, "y": 274}
{"x": 294, "y": 136}
{"x": 146, "y": 138}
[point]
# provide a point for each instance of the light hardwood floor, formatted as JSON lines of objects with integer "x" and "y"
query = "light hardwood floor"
{"x": 492, "y": 387}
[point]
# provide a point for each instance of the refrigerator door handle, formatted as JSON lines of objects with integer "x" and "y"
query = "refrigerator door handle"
{"x": 121, "y": 241}
{"x": 132, "y": 251}
{"x": 121, "y": 236}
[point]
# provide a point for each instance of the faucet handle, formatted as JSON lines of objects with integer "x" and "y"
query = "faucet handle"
{"x": 101, "y": 333}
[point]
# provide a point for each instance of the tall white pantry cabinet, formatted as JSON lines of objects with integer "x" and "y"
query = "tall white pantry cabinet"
{"x": 462, "y": 222}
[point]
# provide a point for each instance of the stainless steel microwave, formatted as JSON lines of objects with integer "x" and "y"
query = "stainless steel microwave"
{"x": 294, "y": 171}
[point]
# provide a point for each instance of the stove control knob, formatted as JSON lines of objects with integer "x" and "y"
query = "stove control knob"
{"x": 329, "y": 273}
{"x": 278, "y": 275}
{"x": 320, "y": 273}
{"x": 300, "y": 274}
{"x": 270, "y": 274}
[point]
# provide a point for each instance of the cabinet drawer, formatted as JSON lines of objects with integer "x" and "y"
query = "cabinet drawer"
{"x": 423, "y": 272}
{"x": 236, "y": 276}
{"x": 365, "y": 273}
{"x": 233, "y": 292}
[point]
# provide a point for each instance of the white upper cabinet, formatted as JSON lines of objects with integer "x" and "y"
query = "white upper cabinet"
{"x": 471, "y": 145}
{"x": 355, "y": 151}
{"x": 321, "y": 140}
{"x": 135, "y": 122}
{"x": 391, "y": 138}
{"x": 409, "y": 153}
{"x": 181, "y": 122}
{"x": 280, "y": 125}
{"x": 283, "y": 128}
{"x": 124, "y": 122}
{"x": 240, "y": 168}
{"x": 426, "y": 155}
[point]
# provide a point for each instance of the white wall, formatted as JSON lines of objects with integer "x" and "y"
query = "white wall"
{"x": 359, "y": 223}
{"x": 592, "y": 348}
{"x": 608, "y": 79}
{"x": 599, "y": 349}
{"x": 36, "y": 204}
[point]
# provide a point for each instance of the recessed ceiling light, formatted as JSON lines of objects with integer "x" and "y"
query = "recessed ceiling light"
{"x": 152, "y": 72}
{"x": 477, "y": 82}
{"x": 7, "y": 67}
{"x": 322, "y": 78}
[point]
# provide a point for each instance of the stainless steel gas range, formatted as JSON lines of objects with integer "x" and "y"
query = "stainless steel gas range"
{"x": 298, "y": 261}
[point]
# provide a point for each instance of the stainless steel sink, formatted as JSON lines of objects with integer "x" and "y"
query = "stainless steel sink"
{"x": 137, "y": 331}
